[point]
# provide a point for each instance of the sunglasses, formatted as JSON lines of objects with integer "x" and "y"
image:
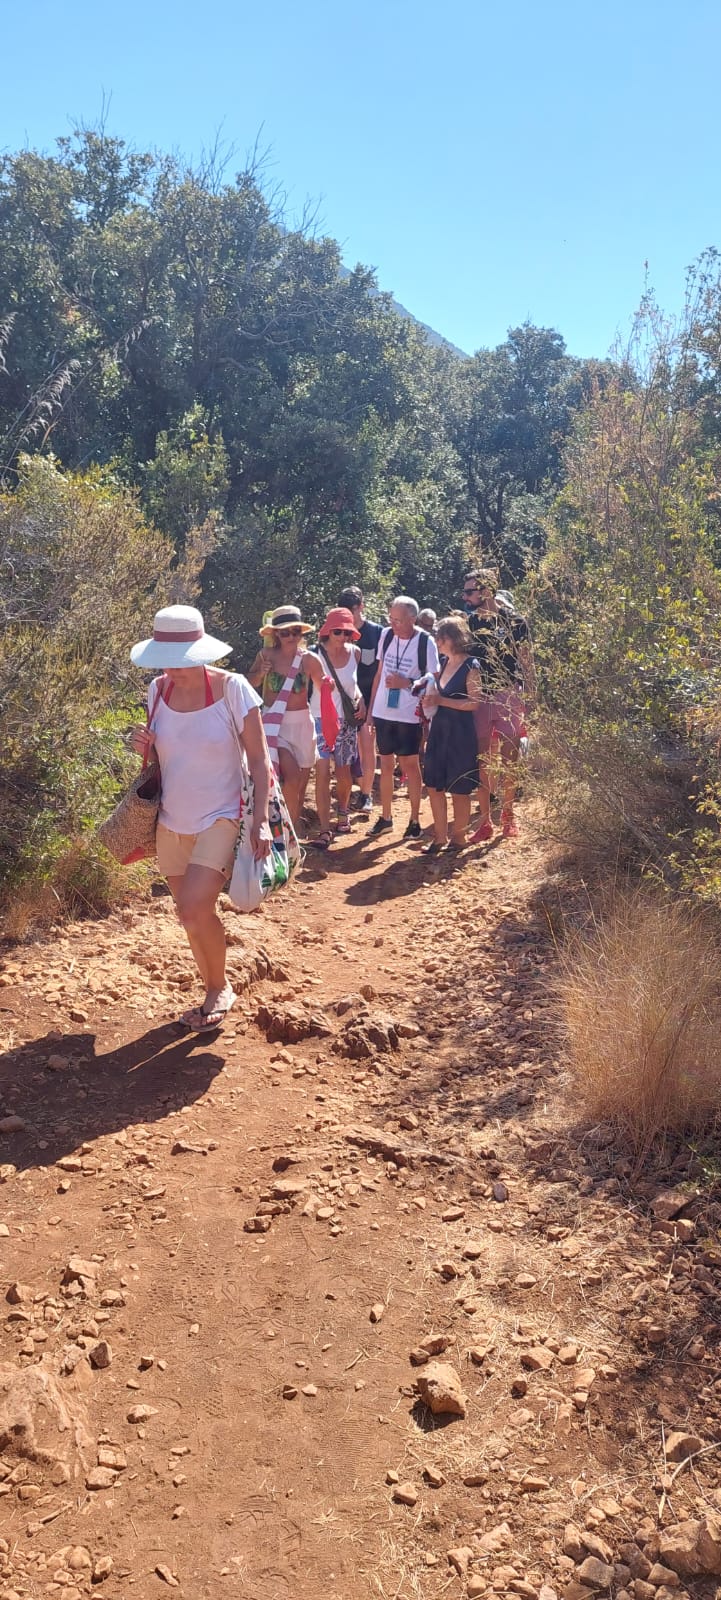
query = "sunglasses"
{"x": 289, "y": 633}
{"x": 343, "y": 633}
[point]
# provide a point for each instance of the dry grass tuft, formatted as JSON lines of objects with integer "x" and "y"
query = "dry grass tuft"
{"x": 643, "y": 1017}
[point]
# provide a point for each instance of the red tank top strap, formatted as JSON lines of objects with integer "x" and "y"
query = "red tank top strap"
{"x": 208, "y": 688}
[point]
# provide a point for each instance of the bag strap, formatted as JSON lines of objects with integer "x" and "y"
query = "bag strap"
{"x": 273, "y": 715}
{"x": 346, "y": 702}
{"x": 160, "y": 688}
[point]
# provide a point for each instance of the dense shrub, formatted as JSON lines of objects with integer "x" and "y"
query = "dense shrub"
{"x": 80, "y": 576}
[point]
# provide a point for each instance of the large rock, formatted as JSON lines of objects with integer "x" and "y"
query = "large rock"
{"x": 439, "y": 1386}
{"x": 708, "y": 1546}
{"x": 40, "y": 1422}
{"x": 677, "y": 1548}
{"x": 679, "y": 1445}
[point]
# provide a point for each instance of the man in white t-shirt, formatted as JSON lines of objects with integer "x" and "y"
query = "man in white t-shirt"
{"x": 405, "y": 653}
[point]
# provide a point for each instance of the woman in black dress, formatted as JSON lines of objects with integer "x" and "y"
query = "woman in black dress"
{"x": 451, "y": 759}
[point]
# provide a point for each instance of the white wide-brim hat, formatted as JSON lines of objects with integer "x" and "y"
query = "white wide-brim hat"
{"x": 179, "y": 640}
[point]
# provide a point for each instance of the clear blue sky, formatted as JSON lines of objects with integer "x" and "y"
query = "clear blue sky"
{"x": 493, "y": 162}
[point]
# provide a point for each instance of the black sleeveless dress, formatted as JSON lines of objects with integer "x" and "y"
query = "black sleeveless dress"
{"x": 451, "y": 758}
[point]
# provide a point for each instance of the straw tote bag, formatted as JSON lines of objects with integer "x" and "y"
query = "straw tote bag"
{"x": 129, "y": 832}
{"x": 253, "y": 881}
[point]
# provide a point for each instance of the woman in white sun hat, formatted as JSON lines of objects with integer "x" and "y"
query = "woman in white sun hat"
{"x": 192, "y": 706}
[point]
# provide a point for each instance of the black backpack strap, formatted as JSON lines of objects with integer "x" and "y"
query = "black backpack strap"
{"x": 422, "y": 653}
{"x": 387, "y": 642}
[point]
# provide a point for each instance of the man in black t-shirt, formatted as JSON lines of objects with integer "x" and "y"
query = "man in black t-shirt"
{"x": 502, "y": 644}
{"x": 370, "y": 633}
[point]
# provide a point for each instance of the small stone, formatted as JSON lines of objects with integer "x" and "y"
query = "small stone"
{"x": 668, "y": 1204}
{"x": 538, "y": 1359}
{"x": 459, "y": 1558}
{"x": 408, "y": 1121}
{"x": 310, "y": 1390}
{"x": 525, "y": 1280}
{"x": 434, "y": 1477}
{"x": 500, "y": 1192}
{"x": 495, "y": 1540}
{"x": 681, "y": 1445}
{"x": 405, "y": 1494}
{"x": 100, "y": 1478}
{"x": 439, "y": 1386}
{"x": 572, "y": 1544}
{"x": 102, "y": 1569}
{"x": 476, "y": 1587}
{"x": 377, "y": 1312}
{"x": 18, "y": 1294}
{"x": 110, "y": 1456}
{"x": 519, "y": 1387}
{"x": 596, "y": 1574}
{"x": 100, "y": 1355}
{"x": 78, "y": 1268}
{"x": 78, "y": 1559}
{"x": 289, "y": 1391}
{"x": 453, "y": 1214}
{"x": 568, "y": 1354}
{"x": 166, "y": 1575}
{"x": 142, "y": 1413}
{"x": 11, "y": 1124}
{"x": 663, "y": 1575}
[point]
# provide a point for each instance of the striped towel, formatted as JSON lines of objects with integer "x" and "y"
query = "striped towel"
{"x": 273, "y": 715}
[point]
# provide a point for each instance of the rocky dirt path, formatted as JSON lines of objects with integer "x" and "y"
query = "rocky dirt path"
{"x": 337, "y": 1304}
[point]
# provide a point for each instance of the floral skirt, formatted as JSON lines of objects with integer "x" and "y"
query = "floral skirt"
{"x": 344, "y": 751}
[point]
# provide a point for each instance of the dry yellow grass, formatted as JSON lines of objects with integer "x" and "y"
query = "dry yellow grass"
{"x": 642, "y": 1008}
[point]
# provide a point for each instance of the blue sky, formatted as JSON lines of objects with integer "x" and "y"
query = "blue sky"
{"x": 493, "y": 162}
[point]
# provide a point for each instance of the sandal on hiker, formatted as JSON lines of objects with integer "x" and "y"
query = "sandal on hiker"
{"x": 343, "y": 823}
{"x": 433, "y": 849}
{"x": 454, "y": 847}
{"x": 214, "y": 1016}
{"x": 323, "y": 840}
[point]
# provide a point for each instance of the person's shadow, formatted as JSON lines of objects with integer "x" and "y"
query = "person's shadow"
{"x": 66, "y": 1093}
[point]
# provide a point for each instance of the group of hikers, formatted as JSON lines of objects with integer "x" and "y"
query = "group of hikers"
{"x": 428, "y": 701}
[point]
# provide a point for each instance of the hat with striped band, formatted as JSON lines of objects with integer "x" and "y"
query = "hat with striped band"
{"x": 179, "y": 640}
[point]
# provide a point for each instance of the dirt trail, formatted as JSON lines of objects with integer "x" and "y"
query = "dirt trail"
{"x": 261, "y": 1226}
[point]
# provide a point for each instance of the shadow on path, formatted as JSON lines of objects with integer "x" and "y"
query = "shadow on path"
{"x": 85, "y": 1093}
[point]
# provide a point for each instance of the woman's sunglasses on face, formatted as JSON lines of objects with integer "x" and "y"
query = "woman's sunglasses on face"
{"x": 343, "y": 633}
{"x": 289, "y": 633}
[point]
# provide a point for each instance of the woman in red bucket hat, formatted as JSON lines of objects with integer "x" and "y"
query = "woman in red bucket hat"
{"x": 337, "y": 648}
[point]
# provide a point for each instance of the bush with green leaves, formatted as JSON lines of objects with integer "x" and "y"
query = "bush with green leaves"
{"x": 81, "y": 574}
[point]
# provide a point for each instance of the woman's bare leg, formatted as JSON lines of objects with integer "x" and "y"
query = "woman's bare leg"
{"x": 293, "y": 783}
{"x": 439, "y": 808}
{"x": 195, "y": 896}
{"x": 461, "y": 817}
{"x": 322, "y": 794}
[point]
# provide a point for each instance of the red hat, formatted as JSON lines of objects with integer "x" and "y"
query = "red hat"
{"x": 339, "y": 617}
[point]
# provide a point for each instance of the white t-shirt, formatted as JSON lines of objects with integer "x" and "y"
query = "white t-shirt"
{"x": 402, "y": 656}
{"x": 198, "y": 757}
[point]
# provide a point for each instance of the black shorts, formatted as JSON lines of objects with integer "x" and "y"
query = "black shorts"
{"x": 398, "y": 738}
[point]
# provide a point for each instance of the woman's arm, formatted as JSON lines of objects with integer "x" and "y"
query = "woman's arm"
{"x": 256, "y": 751}
{"x": 258, "y": 670}
{"x": 313, "y": 668}
{"x": 467, "y": 702}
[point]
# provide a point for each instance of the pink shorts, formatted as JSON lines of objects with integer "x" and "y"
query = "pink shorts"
{"x": 500, "y": 715}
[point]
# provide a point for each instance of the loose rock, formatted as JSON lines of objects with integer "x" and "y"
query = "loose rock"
{"x": 439, "y": 1386}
